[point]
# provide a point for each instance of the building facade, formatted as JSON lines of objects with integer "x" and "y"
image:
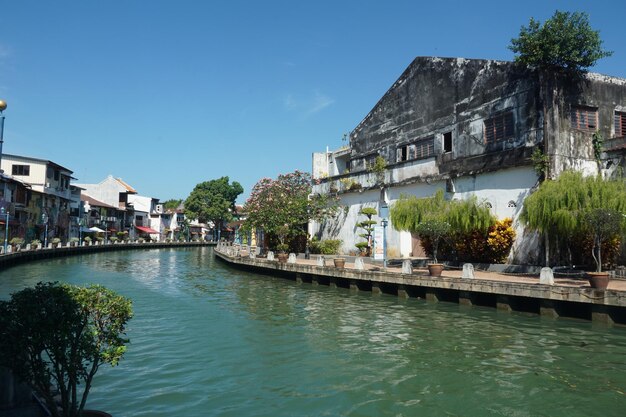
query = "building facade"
{"x": 468, "y": 127}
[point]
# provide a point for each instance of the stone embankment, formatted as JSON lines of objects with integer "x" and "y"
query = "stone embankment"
{"x": 21, "y": 256}
{"x": 567, "y": 297}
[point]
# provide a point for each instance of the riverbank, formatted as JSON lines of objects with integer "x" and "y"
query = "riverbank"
{"x": 23, "y": 256}
{"x": 566, "y": 298}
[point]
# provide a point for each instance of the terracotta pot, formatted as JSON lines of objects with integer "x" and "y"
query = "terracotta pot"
{"x": 282, "y": 258}
{"x": 435, "y": 270}
{"x": 339, "y": 262}
{"x": 598, "y": 280}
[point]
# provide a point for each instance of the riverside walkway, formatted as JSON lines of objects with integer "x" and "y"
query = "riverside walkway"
{"x": 567, "y": 297}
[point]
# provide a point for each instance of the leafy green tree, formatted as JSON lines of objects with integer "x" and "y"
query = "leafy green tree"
{"x": 572, "y": 205}
{"x": 213, "y": 201}
{"x": 56, "y": 336}
{"x": 565, "y": 42}
{"x": 172, "y": 204}
{"x": 282, "y": 207}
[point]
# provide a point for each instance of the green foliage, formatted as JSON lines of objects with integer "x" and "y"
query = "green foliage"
{"x": 282, "y": 247}
{"x": 284, "y": 206}
{"x": 87, "y": 239}
{"x": 57, "y": 336}
{"x": 597, "y": 141}
{"x": 368, "y": 227}
{"x": 564, "y": 207}
{"x": 16, "y": 241}
{"x": 378, "y": 169}
{"x": 35, "y": 242}
{"x": 565, "y": 42}
{"x": 540, "y": 162}
{"x": 114, "y": 239}
{"x": 55, "y": 241}
{"x": 172, "y": 204}
{"x": 434, "y": 217}
{"x": 213, "y": 201}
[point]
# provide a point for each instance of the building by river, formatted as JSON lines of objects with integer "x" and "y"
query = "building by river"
{"x": 469, "y": 127}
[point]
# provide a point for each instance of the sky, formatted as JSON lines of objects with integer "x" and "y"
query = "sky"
{"x": 168, "y": 94}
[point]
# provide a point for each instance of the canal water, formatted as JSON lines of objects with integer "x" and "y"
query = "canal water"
{"x": 207, "y": 340}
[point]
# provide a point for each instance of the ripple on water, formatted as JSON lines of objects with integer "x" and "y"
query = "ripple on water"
{"x": 208, "y": 340}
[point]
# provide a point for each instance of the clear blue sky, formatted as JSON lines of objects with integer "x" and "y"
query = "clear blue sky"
{"x": 166, "y": 94}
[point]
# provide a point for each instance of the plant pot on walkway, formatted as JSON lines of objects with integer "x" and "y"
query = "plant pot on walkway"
{"x": 282, "y": 258}
{"x": 435, "y": 270}
{"x": 598, "y": 280}
{"x": 339, "y": 262}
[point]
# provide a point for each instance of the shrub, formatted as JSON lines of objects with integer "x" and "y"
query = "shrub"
{"x": 325, "y": 247}
{"x": 16, "y": 241}
{"x": 55, "y": 241}
{"x": 73, "y": 239}
{"x": 87, "y": 239}
{"x": 56, "y": 336}
{"x": 114, "y": 239}
{"x": 35, "y": 242}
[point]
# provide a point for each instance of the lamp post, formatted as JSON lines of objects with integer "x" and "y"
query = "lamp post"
{"x": 44, "y": 220}
{"x": 80, "y": 229}
{"x": 384, "y": 222}
{"x": 3, "y": 106}
{"x": 5, "y": 213}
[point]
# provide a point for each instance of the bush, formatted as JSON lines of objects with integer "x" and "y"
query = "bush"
{"x": 56, "y": 336}
{"x": 325, "y": 247}
{"x": 16, "y": 241}
{"x": 476, "y": 246}
{"x": 55, "y": 241}
{"x": 114, "y": 239}
{"x": 87, "y": 239}
{"x": 73, "y": 239}
{"x": 35, "y": 242}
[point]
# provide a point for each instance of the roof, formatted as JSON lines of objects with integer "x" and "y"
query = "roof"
{"x": 46, "y": 161}
{"x": 125, "y": 185}
{"x": 7, "y": 177}
{"x": 93, "y": 202}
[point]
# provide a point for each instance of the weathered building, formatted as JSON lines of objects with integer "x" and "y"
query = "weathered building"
{"x": 469, "y": 127}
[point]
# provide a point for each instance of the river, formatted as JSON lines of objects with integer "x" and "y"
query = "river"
{"x": 208, "y": 340}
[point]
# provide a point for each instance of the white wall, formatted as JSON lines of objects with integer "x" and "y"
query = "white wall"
{"x": 498, "y": 188}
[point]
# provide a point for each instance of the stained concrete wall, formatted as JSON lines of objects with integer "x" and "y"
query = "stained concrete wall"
{"x": 434, "y": 96}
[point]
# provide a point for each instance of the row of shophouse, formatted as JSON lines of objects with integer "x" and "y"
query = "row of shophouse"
{"x": 38, "y": 197}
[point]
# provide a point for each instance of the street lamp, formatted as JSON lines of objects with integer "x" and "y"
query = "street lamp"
{"x": 44, "y": 219}
{"x": 384, "y": 222}
{"x": 5, "y": 213}
{"x": 3, "y": 106}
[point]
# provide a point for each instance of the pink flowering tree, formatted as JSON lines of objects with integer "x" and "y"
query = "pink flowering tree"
{"x": 283, "y": 207}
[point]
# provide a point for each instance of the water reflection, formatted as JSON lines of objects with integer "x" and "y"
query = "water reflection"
{"x": 208, "y": 337}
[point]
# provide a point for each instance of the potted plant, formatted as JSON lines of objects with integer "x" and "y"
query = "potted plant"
{"x": 114, "y": 239}
{"x": 282, "y": 254}
{"x": 55, "y": 337}
{"x": 99, "y": 239}
{"x": 73, "y": 241}
{"x": 55, "y": 242}
{"x": 16, "y": 243}
{"x": 435, "y": 230}
{"x": 35, "y": 244}
{"x": 87, "y": 240}
{"x": 602, "y": 225}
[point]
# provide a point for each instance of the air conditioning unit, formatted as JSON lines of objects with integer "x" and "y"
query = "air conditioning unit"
{"x": 159, "y": 208}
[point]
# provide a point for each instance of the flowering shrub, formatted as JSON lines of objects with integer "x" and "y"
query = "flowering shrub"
{"x": 476, "y": 246}
{"x": 283, "y": 207}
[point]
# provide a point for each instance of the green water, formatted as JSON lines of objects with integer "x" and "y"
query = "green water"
{"x": 207, "y": 340}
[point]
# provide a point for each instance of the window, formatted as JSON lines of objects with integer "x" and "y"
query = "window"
{"x": 447, "y": 142}
{"x": 20, "y": 170}
{"x": 499, "y": 127}
{"x": 56, "y": 174}
{"x": 417, "y": 150}
{"x": 620, "y": 124}
{"x": 584, "y": 118}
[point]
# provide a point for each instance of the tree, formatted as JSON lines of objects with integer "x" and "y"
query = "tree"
{"x": 434, "y": 217}
{"x": 565, "y": 42}
{"x": 573, "y": 205}
{"x": 172, "y": 204}
{"x": 56, "y": 336}
{"x": 213, "y": 201}
{"x": 368, "y": 227}
{"x": 285, "y": 205}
